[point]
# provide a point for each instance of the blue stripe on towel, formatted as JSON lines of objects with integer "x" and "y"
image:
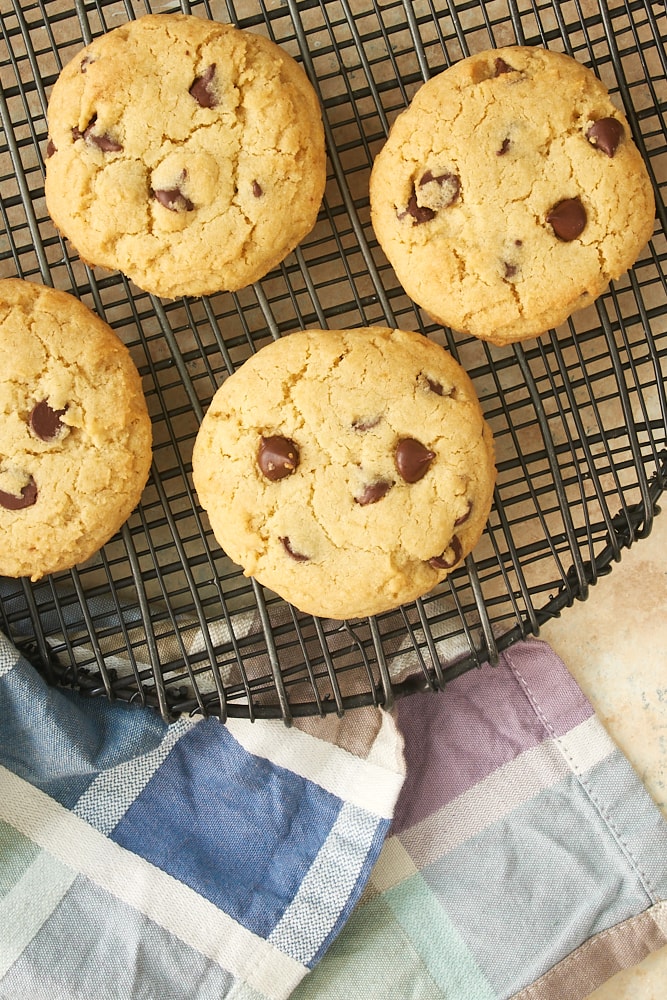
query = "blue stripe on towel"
{"x": 51, "y": 740}
{"x": 243, "y": 835}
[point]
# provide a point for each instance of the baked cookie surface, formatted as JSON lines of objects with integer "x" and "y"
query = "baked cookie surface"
{"x": 509, "y": 193}
{"x": 75, "y": 435}
{"x": 186, "y": 153}
{"x": 349, "y": 471}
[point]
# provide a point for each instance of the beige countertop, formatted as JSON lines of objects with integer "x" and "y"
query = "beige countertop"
{"x": 615, "y": 645}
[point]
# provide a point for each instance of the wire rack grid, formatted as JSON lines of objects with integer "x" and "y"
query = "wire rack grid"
{"x": 579, "y": 416}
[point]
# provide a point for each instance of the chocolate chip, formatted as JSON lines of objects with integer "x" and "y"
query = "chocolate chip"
{"x": 277, "y": 457}
{"x": 374, "y": 492}
{"x": 297, "y": 556}
{"x": 449, "y": 557}
{"x": 464, "y": 517}
{"x": 50, "y": 148}
{"x": 257, "y": 189}
{"x": 173, "y": 198}
{"x": 432, "y": 385}
{"x": 27, "y": 499}
{"x": 605, "y": 134}
{"x": 509, "y": 270}
{"x": 201, "y": 89}
{"x": 412, "y": 459}
{"x": 500, "y": 67}
{"x": 443, "y": 191}
{"x": 568, "y": 218}
{"x": 420, "y": 213}
{"x": 104, "y": 142}
{"x": 45, "y": 421}
{"x": 366, "y": 424}
{"x": 428, "y": 177}
{"x": 504, "y": 148}
{"x": 450, "y": 184}
{"x": 85, "y": 63}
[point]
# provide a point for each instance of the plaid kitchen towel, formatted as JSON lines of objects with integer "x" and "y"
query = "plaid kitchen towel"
{"x": 525, "y": 859}
{"x": 140, "y": 861}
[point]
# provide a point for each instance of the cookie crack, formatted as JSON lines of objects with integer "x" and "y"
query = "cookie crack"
{"x": 516, "y": 295}
{"x": 460, "y": 263}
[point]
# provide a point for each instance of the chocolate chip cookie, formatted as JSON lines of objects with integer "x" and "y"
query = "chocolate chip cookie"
{"x": 349, "y": 471}
{"x": 75, "y": 435}
{"x": 186, "y": 153}
{"x": 509, "y": 193}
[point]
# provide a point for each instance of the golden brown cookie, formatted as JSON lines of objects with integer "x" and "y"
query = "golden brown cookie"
{"x": 186, "y": 153}
{"x": 75, "y": 435}
{"x": 349, "y": 471}
{"x": 509, "y": 193}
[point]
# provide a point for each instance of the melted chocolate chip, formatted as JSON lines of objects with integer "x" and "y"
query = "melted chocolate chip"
{"x": 104, "y": 142}
{"x": 257, "y": 189}
{"x": 85, "y": 63}
{"x": 297, "y": 556}
{"x": 420, "y": 213}
{"x": 464, "y": 517}
{"x": 428, "y": 177}
{"x": 173, "y": 198}
{"x": 412, "y": 459}
{"x": 605, "y": 134}
{"x": 277, "y": 457}
{"x": 443, "y": 191}
{"x": 568, "y": 218}
{"x": 432, "y": 385}
{"x": 450, "y": 183}
{"x": 500, "y": 67}
{"x": 27, "y": 499}
{"x": 449, "y": 557}
{"x": 50, "y": 148}
{"x": 509, "y": 270}
{"x": 45, "y": 422}
{"x": 374, "y": 492}
{"x": 366, "y": 424}
{"x": 202, "y": 90}
{"x": 504, "y": 148}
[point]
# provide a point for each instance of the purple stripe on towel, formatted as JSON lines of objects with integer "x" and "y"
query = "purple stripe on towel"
{"x": 493, "y": 715}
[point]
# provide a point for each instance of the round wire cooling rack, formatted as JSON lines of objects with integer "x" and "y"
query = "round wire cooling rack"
{"x": 579, "y": 416}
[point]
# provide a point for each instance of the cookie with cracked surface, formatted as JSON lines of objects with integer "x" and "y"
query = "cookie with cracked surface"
{"x": 186, "y": 153}
{"x": 75, "y": 435}
{"x": 510, "y": 193}
{"x": 349, "y": 471}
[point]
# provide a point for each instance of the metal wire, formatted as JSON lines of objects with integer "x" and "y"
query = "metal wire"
{"x": 161, "y": 616}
